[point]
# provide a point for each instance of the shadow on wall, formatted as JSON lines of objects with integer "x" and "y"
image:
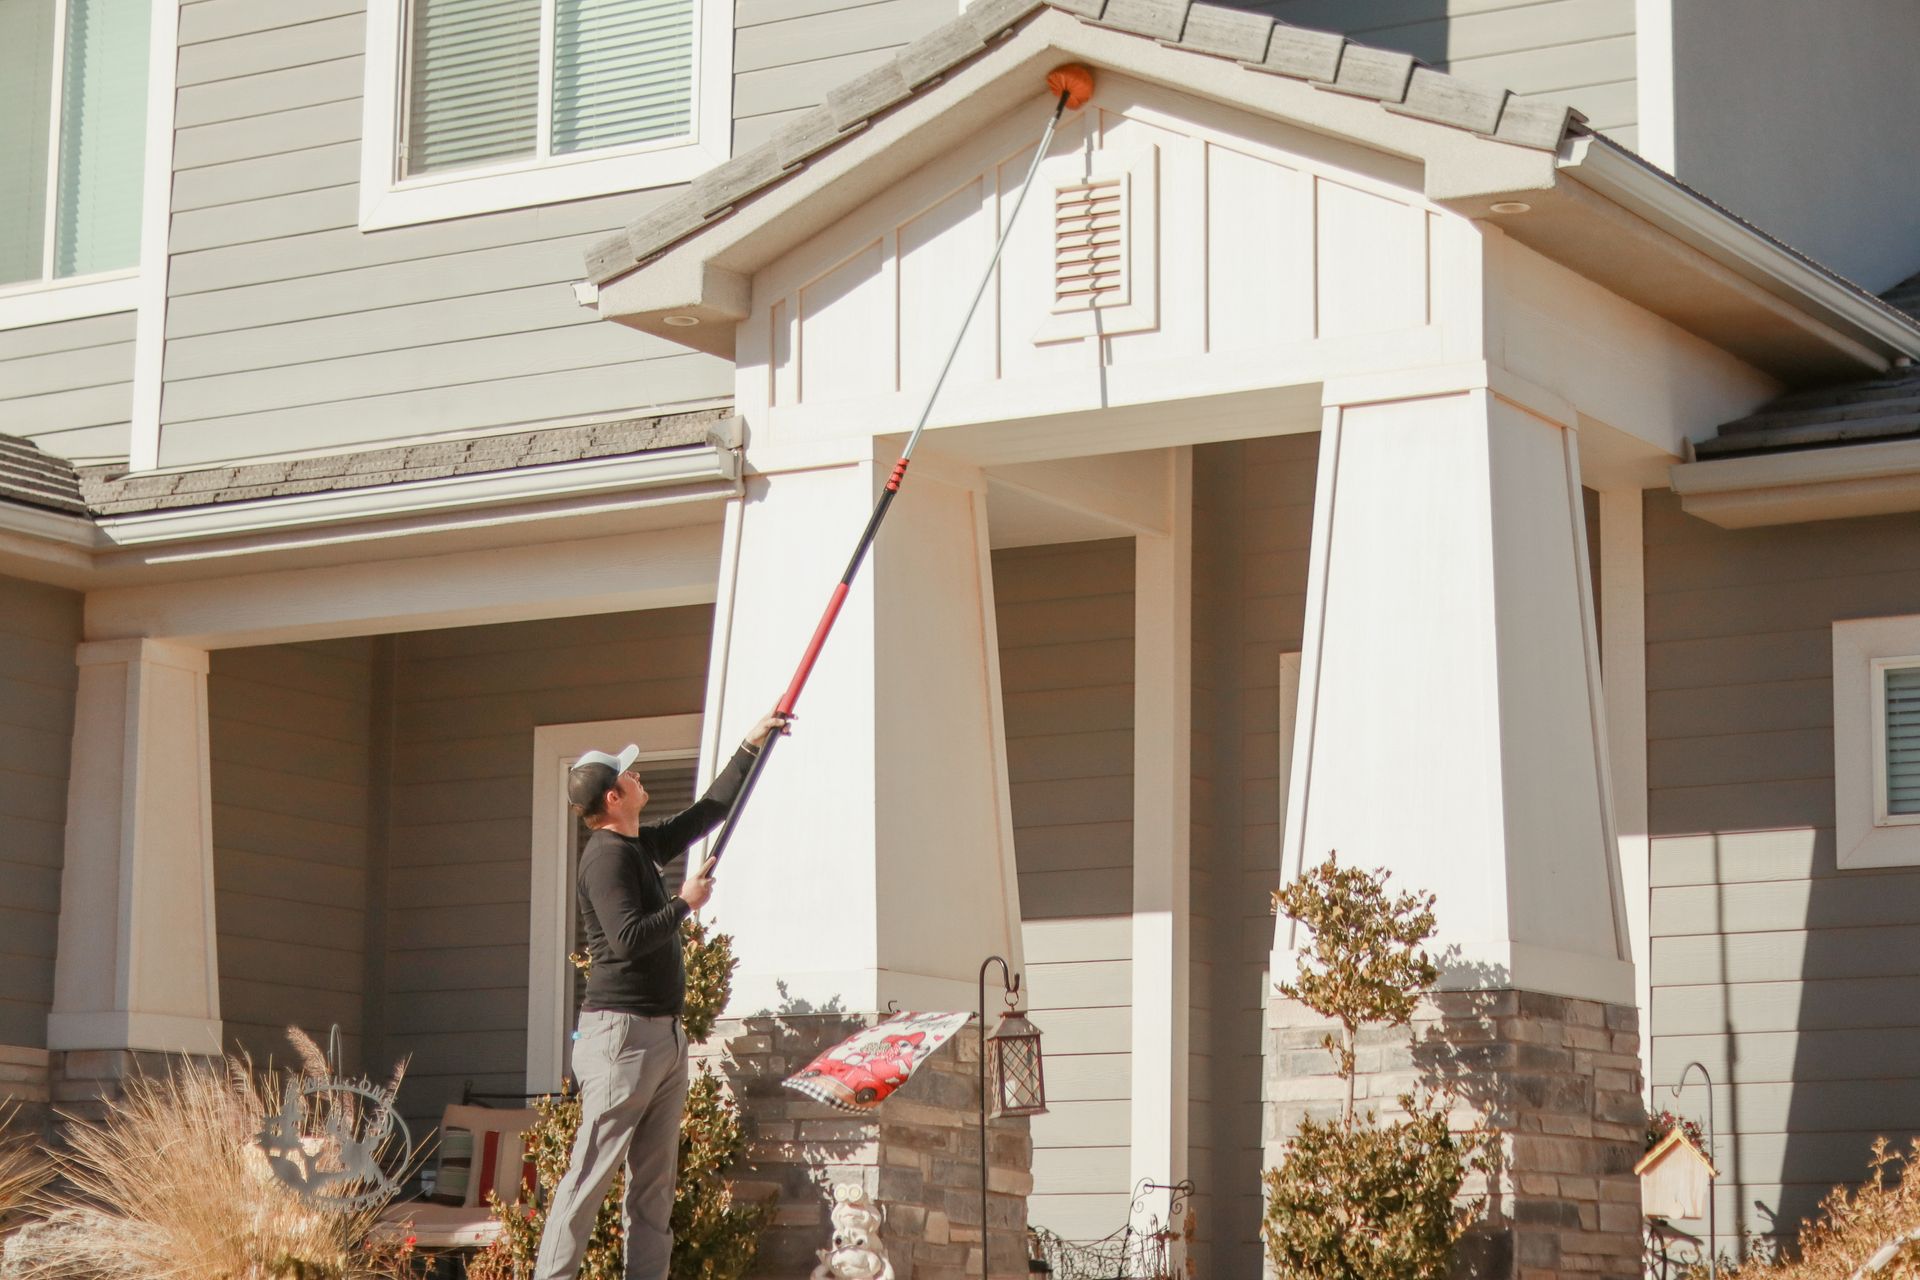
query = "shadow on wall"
{"x": 1464, "y": 1056}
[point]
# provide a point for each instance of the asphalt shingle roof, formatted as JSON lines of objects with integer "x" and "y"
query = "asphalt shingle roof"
{"x": 35, "y": 478}
{"x": 1398, "y": 81}
{"x": 1883, "y": 407}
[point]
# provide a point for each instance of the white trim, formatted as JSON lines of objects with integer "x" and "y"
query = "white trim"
{"x": 1808, "y": 484}
{"x": 1160, "y": 1038}
{"x": 75, "y": 298}
{"x": 156, "y": 221}
{"x": 421, "y": 497}
{"x": 153, "y": 1032}
{"x": 1865, "y": 834}
{"x": 57, "y": 78}
{"x": 387, "y": 200}
{"x": 1623, "y": 681}
{"x": 555, "y": 747}
{"x": 1653, "y": 81}
{"x": 1636, "y": 186}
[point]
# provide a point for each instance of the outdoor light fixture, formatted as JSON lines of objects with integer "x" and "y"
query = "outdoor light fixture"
{"x": 1510, "y": 206}
{"x": 681, "y": 322}
{"x": 1012, "y": 1049}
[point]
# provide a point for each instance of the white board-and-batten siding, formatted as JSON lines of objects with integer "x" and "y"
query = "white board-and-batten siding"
{"x": 68, "y": 386}
{"x": 1065, "y": 615}
{"x": 39, "y": 627}
{"x": 1795, "y": 983}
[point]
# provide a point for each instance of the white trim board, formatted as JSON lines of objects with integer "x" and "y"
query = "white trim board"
{"x": 387, "y": 200}
{"x": 555, "y": 748}
{"x": 156, "y": 221}
{"x": 77, "y": 298}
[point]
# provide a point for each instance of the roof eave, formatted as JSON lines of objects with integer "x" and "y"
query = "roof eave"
{"x": 1606, "y": 167}
{"x": 1793, "y": 488}
{"x": 707, "y": 274}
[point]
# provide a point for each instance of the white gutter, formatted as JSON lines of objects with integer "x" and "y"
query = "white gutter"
{"x": 1633, "y": 184}
{"x": 1808, "y": 484}
{"x": 636, "y": 474}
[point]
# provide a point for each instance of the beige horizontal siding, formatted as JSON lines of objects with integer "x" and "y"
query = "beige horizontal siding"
{"x": 289, "y": 736}
{"x": 1791, "y": 980}
{"x": 68, "y": 386}
{"x": 39, "y": 627}
{"x": 1253, "y": 505}
{"x": 1065, "y": 616}
{"x": 466, "y": 703}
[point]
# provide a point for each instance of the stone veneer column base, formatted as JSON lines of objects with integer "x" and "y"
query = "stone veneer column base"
{"x": 917, "y": 1155}
{"x": 84, "y": 1081}
{"x": 1559, "y": 1077}
{"x": 25, "y": 1088}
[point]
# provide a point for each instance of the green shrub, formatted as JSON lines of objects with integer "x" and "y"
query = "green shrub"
{"x": 1357, "y": 1198}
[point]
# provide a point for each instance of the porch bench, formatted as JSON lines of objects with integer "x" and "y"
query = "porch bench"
{"x": 482, "y": 1150}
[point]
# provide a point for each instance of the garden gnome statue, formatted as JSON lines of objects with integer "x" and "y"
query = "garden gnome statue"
{"x": 857, "y": 1253}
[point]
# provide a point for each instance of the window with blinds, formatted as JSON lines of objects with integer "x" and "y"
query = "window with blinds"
{"x": 1900, "y": 694}
{"x": 73, "y": 90}
{"x": 496, "y": 81}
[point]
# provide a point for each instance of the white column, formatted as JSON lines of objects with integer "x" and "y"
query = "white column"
{"x": 1623, "y": 646}
{"x": 1451, "y": 726}
{"x": 136, "y": 967}
{"x": 875, "y": 862}
{"x": 1162, "y": 808}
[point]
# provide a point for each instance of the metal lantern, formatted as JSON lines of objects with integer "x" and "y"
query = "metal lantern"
{"x": 1021, "y": 1087}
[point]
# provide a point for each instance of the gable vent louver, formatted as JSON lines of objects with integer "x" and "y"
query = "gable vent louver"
{"x": 1090, "y": 244}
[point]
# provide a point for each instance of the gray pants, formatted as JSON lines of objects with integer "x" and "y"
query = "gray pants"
{"x": 633, "y": 1088}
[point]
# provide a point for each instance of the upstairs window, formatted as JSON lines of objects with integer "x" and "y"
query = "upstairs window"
{"x": 1897, "y": 772}
{"x": 496, "y": 104}
{"x": 73, "y": 93}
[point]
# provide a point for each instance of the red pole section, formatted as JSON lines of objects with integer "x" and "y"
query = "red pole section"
{"x": 792, "y": 695}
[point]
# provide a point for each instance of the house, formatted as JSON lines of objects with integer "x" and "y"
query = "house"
{"x": 1447, "y": 483}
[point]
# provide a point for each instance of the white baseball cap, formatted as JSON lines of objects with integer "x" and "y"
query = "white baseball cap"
{"x": 586, "y": 781}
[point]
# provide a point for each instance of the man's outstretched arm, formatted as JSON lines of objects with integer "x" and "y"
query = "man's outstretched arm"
{"x": 669, "y": 838}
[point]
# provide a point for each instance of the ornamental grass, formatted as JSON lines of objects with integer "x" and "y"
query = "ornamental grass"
{"x": 24, "y": 1170}
{"x": 172, "y": 1185}
{"x": 1854, "y": 1224}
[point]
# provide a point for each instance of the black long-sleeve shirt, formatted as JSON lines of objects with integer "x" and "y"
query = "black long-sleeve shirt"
{"x": 632, "y": 925}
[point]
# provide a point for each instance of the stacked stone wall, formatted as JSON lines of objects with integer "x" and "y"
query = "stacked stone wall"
{"x": 917, "y": 1155}
{"x": 1558, "y": 1077}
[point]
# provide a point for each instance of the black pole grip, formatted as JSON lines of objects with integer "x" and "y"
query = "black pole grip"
{"x": 740, "y": 801}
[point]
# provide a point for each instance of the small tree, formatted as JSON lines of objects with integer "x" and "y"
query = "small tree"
{"x": 714, "y": 1238}
{"x": 1357, "y": 1199}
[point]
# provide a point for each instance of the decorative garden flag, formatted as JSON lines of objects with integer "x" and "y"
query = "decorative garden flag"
{"x": 862, "y": 1071}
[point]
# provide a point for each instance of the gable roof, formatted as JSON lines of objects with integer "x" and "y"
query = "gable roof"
{"x": 1398, "y": 82}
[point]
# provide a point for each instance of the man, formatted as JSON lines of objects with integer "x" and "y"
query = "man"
{"x": 630, "y": 1055}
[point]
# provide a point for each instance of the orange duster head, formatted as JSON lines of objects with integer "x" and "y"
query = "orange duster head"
{"x": 1073, "y": 79}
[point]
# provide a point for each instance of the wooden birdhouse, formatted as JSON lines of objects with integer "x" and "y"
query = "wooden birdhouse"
{"x": 1676, "y": 1178}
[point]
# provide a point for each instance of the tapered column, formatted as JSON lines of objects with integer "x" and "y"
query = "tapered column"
{"x": 1451, "y": 729}
{"x": 136, "y": 968}
{"x": 1450, "y": 724}
{"x": 875, "y": 863}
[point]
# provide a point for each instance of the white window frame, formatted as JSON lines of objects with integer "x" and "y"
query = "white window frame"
{"x": 389, "y": 200}
{"x": 1865, "y": 833}
{"x": 51, "y": 299}
{"x": 550, "y": 933}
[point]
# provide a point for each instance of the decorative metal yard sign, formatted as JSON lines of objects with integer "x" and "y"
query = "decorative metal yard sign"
{"x": 336, "y": 1141}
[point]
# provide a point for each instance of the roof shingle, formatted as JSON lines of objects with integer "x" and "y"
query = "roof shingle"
{"x": 1327, "y": 60}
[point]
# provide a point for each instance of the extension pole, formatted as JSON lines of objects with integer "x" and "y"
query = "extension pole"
{"x": 1074, "y": 85}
